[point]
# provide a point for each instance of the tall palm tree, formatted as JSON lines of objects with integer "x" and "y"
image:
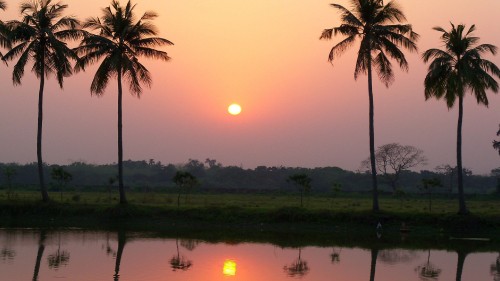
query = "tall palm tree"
{"x": 40, "y": 37}
{"x": 454, "y": 71}
{"x": 376, "y": 26}
{"x": 120, "y": 41}
{"x": 4, "y": 33}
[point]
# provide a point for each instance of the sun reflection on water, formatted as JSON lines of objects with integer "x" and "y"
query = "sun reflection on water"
{"x": 229, "y": 268}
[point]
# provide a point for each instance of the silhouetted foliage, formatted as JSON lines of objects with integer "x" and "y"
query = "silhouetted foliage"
{"x": 496, "y": 144}
{"x": 41, "y": 37}
{"x": 454, "y": 71}
{"x": 120, "y": 42}
{"x": 381, "y": 37}
{"x": 393, "y": 158}
{"x": 184, "y": 181}
{"x": 303, "y": 182}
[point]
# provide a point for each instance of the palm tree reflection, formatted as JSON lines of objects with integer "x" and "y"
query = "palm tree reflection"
{"x": 428, "y": 271}
{"x": 39, "y": 254}
{"x": 373, "y": 264}
{"x": 178, "y": 262}
{"x": 122, "y": 240}
{"x": 298, "y": 268}
{"x": 495, "y": 269}
{"x": 460, "y": 263}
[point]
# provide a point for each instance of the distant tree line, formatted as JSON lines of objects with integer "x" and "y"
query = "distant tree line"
{"x": 214, "y": 177}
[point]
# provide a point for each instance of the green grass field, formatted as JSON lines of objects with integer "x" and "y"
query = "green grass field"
{"x": 416, "y": 205}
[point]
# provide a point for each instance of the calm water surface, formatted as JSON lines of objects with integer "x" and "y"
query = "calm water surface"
{"x": 85, "y": 255}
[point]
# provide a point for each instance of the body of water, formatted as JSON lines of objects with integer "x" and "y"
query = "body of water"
{"x": 27, "y": 254}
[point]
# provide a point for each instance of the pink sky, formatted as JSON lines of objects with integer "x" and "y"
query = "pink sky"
{"x": 298, "y": 109}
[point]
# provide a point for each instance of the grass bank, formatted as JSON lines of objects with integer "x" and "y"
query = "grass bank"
{"x": 227, "y": 216}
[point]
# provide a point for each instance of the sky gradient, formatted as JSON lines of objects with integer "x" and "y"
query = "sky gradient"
{"x": 298, "y": 109}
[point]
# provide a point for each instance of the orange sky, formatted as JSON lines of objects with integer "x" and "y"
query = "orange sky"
{"x": 298, "y": 110}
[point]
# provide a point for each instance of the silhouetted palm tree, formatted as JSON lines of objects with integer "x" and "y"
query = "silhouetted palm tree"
{"x": 40, "y": 37}
{"x": 4, "y": 32}
{"x": 454, "y": 71}
{"x": 375, "y": 25}
{"x": 120, "y": 41}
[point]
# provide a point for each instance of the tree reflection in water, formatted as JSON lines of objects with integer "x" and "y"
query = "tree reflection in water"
{"x": 395, "y": 256}
{"x": 373, "y": 264}
{"x": 122, "y": 240}
{"x": 59, "y": 258}
{"x": 7, "y": 254}
{"x": 189, "y": 244}
{"x": 495, "y": 269}
{"x": 178, "y": 262}
{"x": 39, "y": 254}
{"x": 335, "y": 255}
{"x": 298, "y": 268}
{"x": 428, "y": 271}
{"x": 460, "y": 263}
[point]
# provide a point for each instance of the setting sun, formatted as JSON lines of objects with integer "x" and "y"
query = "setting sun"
{"x": 229, "y": 268}
{"x": 234, "y": 109}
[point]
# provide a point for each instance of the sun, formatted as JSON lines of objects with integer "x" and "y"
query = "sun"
{"x": 234, "y": 109}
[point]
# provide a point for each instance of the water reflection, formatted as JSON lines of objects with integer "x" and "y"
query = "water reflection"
{"x": 39, "y": 254}
{"x": 298, "y": 268}
{"x": 495, "y": 269}
{"x": 179, "y": 262}
{"x": 44, "y": 255}
{"x": 122, "y": 240}
{"x": 428, "y": 271}
{"x": 59, "y": 257}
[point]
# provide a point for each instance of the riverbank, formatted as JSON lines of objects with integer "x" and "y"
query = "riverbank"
{"x": 282, "y": 225}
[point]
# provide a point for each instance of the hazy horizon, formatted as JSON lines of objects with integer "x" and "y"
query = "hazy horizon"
{"x": 298, "y": 109}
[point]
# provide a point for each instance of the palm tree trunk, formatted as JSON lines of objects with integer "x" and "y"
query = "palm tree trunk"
{"x": 375, "y": 207}
{"x": 43, "y": 188}
{"x": 121, "y": 189}
{"x": 462, "y": 209}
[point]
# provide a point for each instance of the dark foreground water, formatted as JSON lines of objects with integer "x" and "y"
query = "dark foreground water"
{"x": 88, "y": 255}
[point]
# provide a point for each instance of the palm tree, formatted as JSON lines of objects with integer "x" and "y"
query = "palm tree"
{"x": 376, "y": 26}
{"x": 4, "y": 33}
{"x": 40, "y": 38}
{"x": 455, "y": 70}
{"x": 120, "y": 41}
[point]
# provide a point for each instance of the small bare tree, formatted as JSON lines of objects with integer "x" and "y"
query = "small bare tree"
{"x": 393, "y": 158}
{"x": 303, "y": 182}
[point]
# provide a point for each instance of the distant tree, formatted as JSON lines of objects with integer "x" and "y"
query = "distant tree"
{"x": 40, "y": 37}
{"x": 62, "y": 178}
{"x": 496, "y": 173}
{"x": 336, "y": 189}
{"x": 449, "y": 172}
{"x": 111, "y": 182}
{"x": 303, "y": 182}
{"x": 454, "y": 71}
{"x": 9, "y": 172}
{"x": 120, "y": 41}
{"x": 185, "y": 181}
{"x": 376, "y": 26}
{"x": 496, "y": 144}
{"x": 393, "y": 158}
{"x": 212, "y": 163}
{"x": 428, "y": 185}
